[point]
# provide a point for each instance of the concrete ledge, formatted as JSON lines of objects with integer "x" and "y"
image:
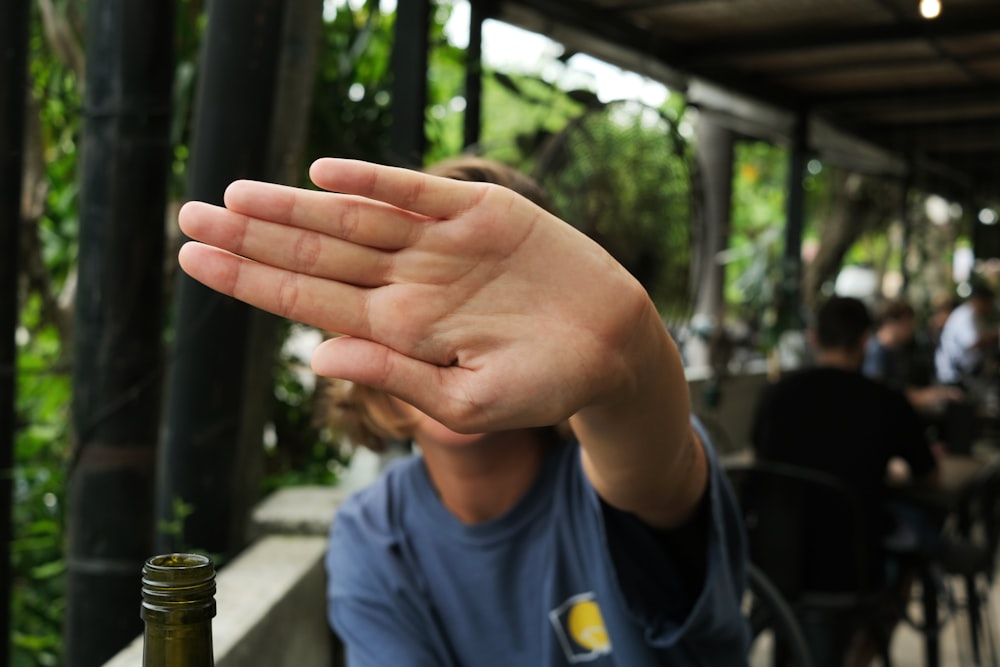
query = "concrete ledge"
{"x": 272, "y": 606}
{"x": 297, "y": 510}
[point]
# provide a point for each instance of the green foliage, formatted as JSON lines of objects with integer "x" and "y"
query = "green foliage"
{"x": 444, "y": 125}
{"x": 42, "y": 440}
{"x": 174, "y": 526}
{"x": 753, "y": 260}
{"x": 621, "y": 173}
{"x": 303, "y": 448}
{"x": 350, "y": 113}
{"x": 525, "y": 112}
{"x": 41, "y": 447}
{"x": 56, "y": 93}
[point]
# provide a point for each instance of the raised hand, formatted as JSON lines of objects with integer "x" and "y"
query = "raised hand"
{"x": 463, "y": 299}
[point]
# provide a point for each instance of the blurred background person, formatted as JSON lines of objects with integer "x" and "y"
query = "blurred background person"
{"x": 969, "y": 339}
{"x": 895, "y": 357}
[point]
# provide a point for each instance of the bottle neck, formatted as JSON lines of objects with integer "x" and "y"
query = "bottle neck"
{"x": 188, "y": 645}
{"x": 178, "y": 603}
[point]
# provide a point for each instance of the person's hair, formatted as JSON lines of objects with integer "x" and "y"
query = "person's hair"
{"x": 841, "y": 323}
{"x": 483, "y": 170}
{"x": 366, "y": 415}
{"x": 894, "y": 310}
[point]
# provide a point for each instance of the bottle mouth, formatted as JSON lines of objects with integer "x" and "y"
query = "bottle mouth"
{"x": 179, "y": 582}
{"x": 179, "y": 564}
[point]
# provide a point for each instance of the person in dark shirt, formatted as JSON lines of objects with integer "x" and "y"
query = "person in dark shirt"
{"x": 833, "y": 419}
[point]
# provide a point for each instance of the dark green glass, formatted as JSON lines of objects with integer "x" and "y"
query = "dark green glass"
{"x": 178, "y": 603}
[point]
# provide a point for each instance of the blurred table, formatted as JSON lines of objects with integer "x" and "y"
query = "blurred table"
{"x": 958, "y": 475}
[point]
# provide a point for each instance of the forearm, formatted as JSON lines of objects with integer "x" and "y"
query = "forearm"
{"x": 639, "y": 449}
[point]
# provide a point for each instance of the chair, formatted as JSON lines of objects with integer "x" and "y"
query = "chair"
{"x": 778, "y": 502}
{"x": 977, "y": 523}
{"x": 773, "y": 624}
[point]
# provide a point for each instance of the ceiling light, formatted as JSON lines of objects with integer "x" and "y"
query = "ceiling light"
{"x": 930, "y": 9}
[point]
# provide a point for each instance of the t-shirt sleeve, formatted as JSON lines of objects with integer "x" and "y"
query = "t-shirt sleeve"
{"x": 655, "y": 586}
{"x": 378, "y": 626}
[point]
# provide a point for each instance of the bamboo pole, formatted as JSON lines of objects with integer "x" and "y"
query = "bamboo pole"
{"x": 13, "y": 67}
{"x": 223, "y": 352}
{"x": 125, "y": 153}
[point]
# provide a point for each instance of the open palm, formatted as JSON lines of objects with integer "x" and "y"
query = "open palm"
{"x": 464, "y": 299}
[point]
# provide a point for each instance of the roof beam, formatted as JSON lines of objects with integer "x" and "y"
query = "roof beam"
{"x": 927, "y": 97}
{"x": 985, "y": 21}
{"x": 951, "y": 138}
{"x": 604, "y": 35}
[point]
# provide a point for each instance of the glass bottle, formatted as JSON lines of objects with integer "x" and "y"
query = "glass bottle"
{"x": 178, "y": 603}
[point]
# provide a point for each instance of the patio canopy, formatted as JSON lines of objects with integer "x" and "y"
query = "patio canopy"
{"x": 876, "y": 86}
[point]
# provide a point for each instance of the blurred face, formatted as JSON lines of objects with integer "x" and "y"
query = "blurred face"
{"x": 903, "y": 329}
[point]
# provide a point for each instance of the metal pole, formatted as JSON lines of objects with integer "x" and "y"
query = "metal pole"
{"x": 13, "y": 69}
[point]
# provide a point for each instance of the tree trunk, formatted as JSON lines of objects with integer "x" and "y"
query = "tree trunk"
{"x": 859, "y": 204}
{"x": 125, "y": 157}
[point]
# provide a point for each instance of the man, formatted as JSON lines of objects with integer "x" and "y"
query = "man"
{"x": 968, "y": 338}
{"x": 833, "y": 419}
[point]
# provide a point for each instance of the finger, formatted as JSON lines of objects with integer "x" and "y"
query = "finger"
{"x": 370, "y": 363}
{"x": 300, "y": 250}
{"x": 419, "y": 383}
{"x": 431, "y": 196}
{"x": 352, "y": 218}
{"x": 321, "y": 303}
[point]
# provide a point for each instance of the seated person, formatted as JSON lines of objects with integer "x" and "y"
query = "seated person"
{"x": 969, "y": 338}
{"x": 893, "y": 356}
{"x": 473, "y": 321}
{"x": 832, "y": 418}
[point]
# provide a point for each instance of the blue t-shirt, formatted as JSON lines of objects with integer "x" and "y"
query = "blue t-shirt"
{"x": 543, "y": 585}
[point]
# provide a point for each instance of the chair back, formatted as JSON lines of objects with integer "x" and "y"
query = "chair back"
{"x": 798, "y": 521}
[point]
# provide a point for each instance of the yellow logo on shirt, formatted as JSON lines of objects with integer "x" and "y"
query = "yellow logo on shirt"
{"x": 580, "y": 627}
